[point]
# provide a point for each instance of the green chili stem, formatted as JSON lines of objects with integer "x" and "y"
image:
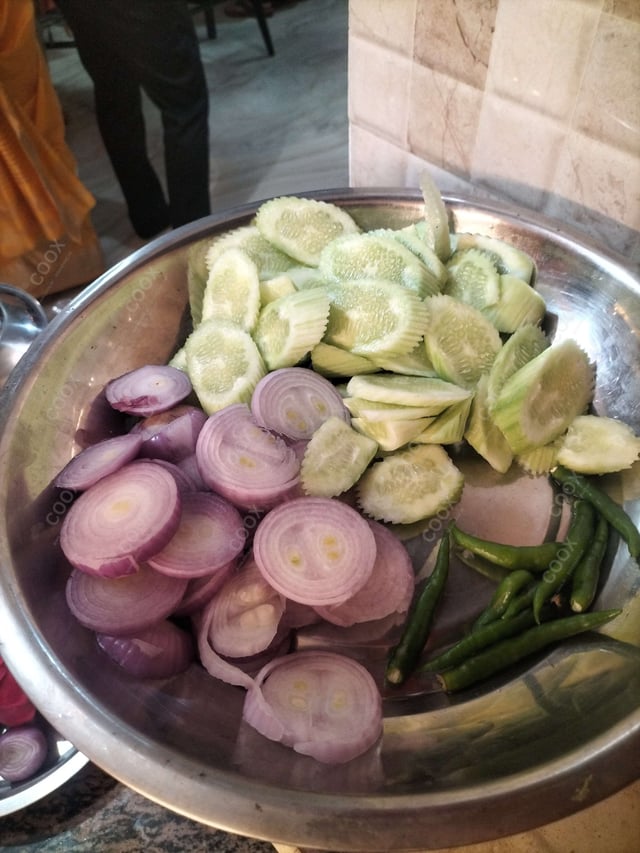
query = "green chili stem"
{"x": 508, "y": 652}
{"x": 404, "y": 655}
{"x": 576, "y": 484}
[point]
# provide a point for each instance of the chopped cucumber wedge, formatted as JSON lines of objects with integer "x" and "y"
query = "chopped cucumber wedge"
{"x": 539, "y": 460}
{"x": 414, "y": 363}
{"x": 288, "y": 328}
{"x": 274, "y": 288}
{"x": 433, "y": 395}
{"x": 459, "y": 341}
{"x": 232, "y": 291}
{"x": 374, "y": 317}
{"x": 539, "y": 401}
{"x": 376, "y": 255}
{"x": 337, "y": 363}
{"x": 415, "y": 483}
{"x": 507, "y": 258}
{"x": 391, "y": 434}
{"x": 598, "y": 445}
{"x": 335, "y": 458}
{"x": 524, "y": 344}
{"x": 473, "y": 278}
{"x": 483, "y": 434}
{"x": 372, "y": 411}
{"x": 436, "y": 220}
{"x": 519, "y": 304}
{"x": 223, "y": 363}
{"x": 302, "y": 227}
{"x": 448, "y": 427}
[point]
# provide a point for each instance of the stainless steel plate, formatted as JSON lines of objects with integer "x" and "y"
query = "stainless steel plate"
{"x": 533, "y": 746}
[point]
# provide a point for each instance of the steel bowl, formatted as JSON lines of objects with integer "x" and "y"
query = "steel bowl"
{"x": 22, "y": 318}
{"x": 544, "y": 740}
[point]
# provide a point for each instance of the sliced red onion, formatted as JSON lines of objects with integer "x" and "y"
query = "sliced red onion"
{"x": 294, "y": 401}
{"x": 122, "y": 520}
{"x": 245, "y": 463}
{"x": 200, "y": 591}
{"x": 245, "y": 614}
{"x": 161, "y": 651}
{"x": 388, "y": 590}
{"x": 148, "y": 390}
{"x": 16, "y": 708}
{"x": 23, "y": 751}
{"x": 184, "y": 481}
{"x": 211, "y": 533}
{"x": 214, "y": 663}
{"x": 171, "y": 435}
{"x": 189, "y": 467}
{"x": 316, "y": 551}
{"x": 126, "y": 605}
{"x": 321, "y": 704}
{"x": 95, "y": 462}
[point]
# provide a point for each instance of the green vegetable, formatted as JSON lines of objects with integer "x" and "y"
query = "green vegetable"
{"x": 586, "y": 575}
{"x": 503, "y": 596}
{"x": 573, "y": 548}
{"x": 534, "y": 558}
{"x": 404, "y": 655}
{"x": 512, "y": 650}
{"x": 479, "y": 639}
{"x": 578, "y": 485}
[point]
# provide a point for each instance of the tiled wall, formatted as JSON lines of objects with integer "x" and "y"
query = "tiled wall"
{"x": 533, "y": 101}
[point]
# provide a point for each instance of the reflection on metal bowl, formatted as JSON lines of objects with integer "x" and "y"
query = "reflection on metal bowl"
{"x": 22, "y": 318}
{"x": 558, "y": 734}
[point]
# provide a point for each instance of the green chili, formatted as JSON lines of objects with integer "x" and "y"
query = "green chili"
{"x": 534, "y": 558}
{"x": 578, "y": 485}
{"x": 479, "y": 639}
{"x": 404, "y": 655}
{"x": 574, "y": 545}
{"x": 520, "y": 602}
{"x": 586, "y": 575}
{"x": 498, "y": 657}
{"x": 505, "y": 592}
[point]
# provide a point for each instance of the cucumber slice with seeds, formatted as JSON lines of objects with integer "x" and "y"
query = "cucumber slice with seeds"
{"x": 434, "y": 395}
{"x": 598, "y": 445}
{"x": 507, "y": 258}
{"x": 232, "y": 291}
{"x": 302, "y": 227}
{"x": 371, "y": 317}
{"x": 412, "y": 484}
{"x": 223, "y": 363}
{"x": 335, "y": 458}
{"x": 269, "y": 260}
{"x": 459, "y": 341}
{"x": 376, "y": 255}
{"x": 288, "y": 328}
{"x": 524, "y": 344}
{"x": 473, "y": 278}
{"x": 539, "y": 401}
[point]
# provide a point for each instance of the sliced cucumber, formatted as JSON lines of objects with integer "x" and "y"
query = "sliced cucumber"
{"x": 413, "y": 237}
{"x": 448, "y": 427}
{"x": 524, "y": 344}
{"x": 376, "y": 255}
{"x": 436, "y": 219}
{"x": 371, "y": 317}
{"x": 337, "y": 363}
{"x": 539, "y": 401}
{"x": 288, "y": 328}
{"x": 223, "y": 363}
{"x": 393, "y": 434}
{"x": 434, "y": 395}
{"x": 507, "y": 258}
{"x": 304, "y": 277}
{"x": 269, "y": 260}
{"x": 473, "y": 278}
{"x": 302, "y": 227}
{"x": 598, "y": 445}
{"x": 233, "y": 290}
{"x": 372, "y": 411}
{"x": 414, "y": 363}
{"x": 459, "y": 341}
{"x": 335, "y": 458}
{"x": 519, "y": 304}
{"x": 483, "y": 434}
{"x": 539, "y": 460}
{"x": 179, "y": 359}
{"x": 197, "y": 274}
{"x": 415, "y": 483}
{"x": 274, "y": 288}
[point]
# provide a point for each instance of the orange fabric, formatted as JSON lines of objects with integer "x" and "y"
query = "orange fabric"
{"x": 42, "y": 200}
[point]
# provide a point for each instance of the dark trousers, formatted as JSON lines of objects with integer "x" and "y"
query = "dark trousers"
{"x": 130, "y": 46}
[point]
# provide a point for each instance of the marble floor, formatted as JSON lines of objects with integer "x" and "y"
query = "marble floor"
{"x": 278, "y": 123}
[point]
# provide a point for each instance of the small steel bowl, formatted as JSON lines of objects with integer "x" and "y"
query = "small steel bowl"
{"x": 550, "y": 737}
{"x": 22, "y": 318}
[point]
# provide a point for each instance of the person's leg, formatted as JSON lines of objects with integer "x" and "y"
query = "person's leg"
{"x": 169, "y": 66}
{"x": 104, "y": 41}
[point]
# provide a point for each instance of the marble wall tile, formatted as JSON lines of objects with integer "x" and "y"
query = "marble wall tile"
{"x": 629, "y": 9}
{"x": 608, "y": 105}
{"x": 455, "y": 37}
{"x": 388, "y": 22}
{"x": 444, "y": 114}
{"x": 373, "y": 67}
{"x": 533, "y": 61}
{"x": 376, "y": 162}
